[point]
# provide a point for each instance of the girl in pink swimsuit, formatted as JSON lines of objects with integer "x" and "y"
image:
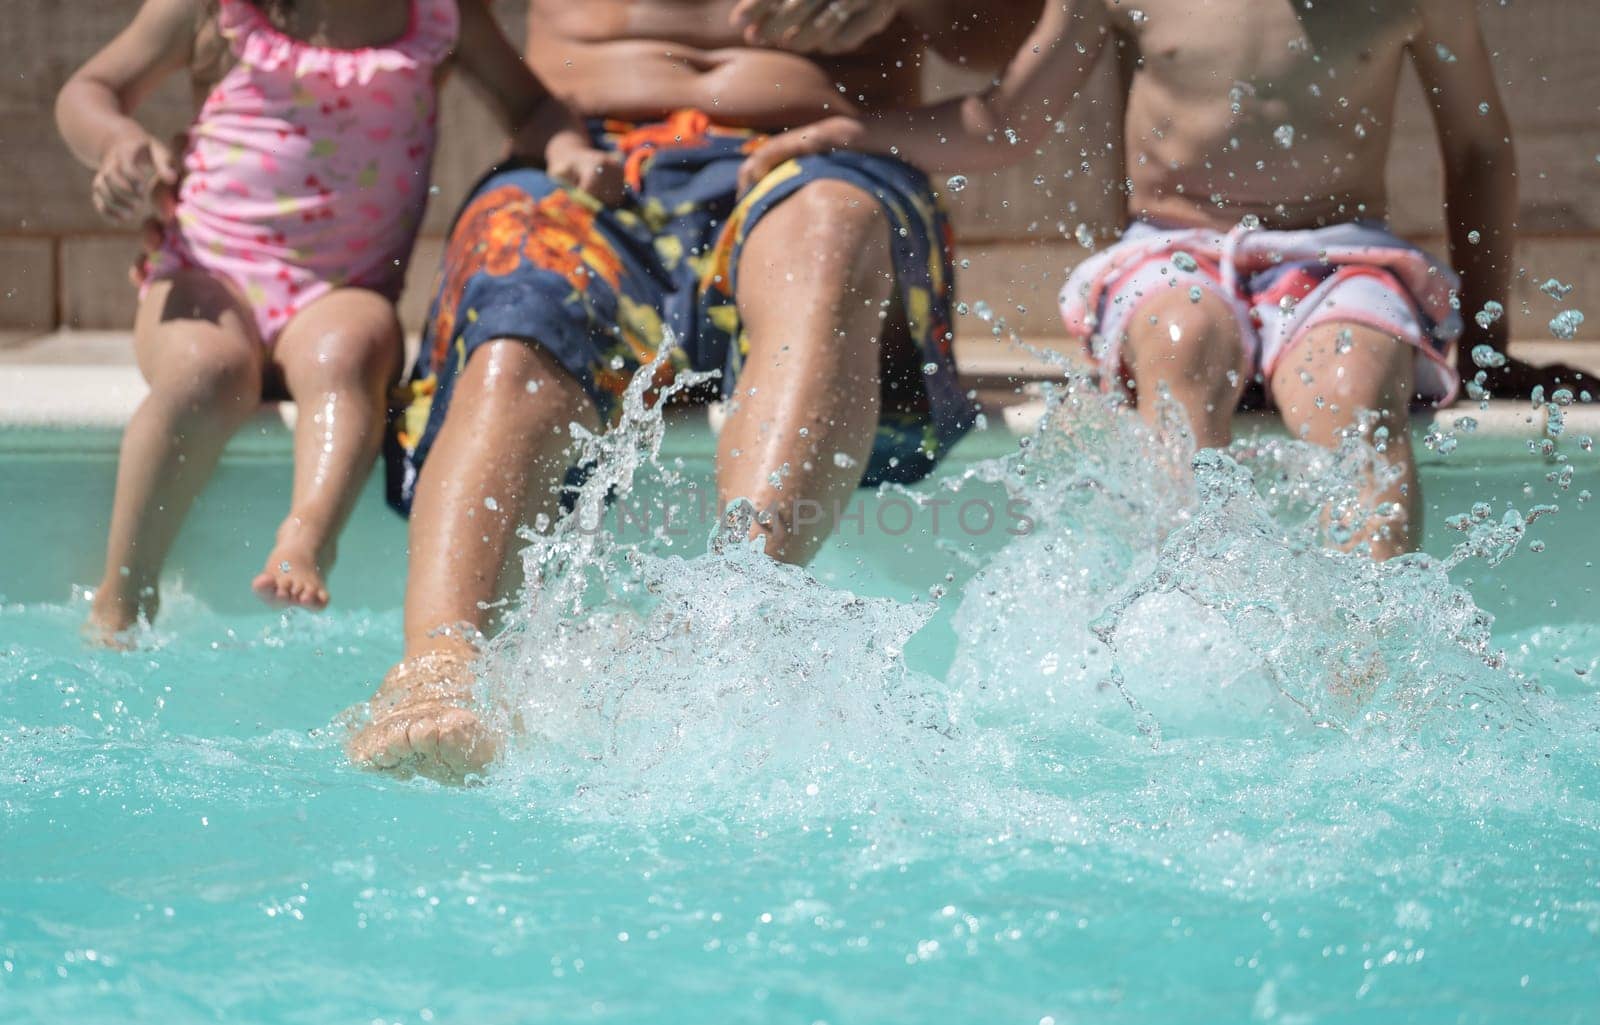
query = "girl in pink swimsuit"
{"x": 289, "y": 218}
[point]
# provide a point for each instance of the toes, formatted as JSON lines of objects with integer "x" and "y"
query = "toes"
{"x": 313, "y": 595}
{"x": 422, "y": 736}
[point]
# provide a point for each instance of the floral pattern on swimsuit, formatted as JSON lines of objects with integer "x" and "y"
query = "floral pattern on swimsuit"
{"x": 307, "y": 167}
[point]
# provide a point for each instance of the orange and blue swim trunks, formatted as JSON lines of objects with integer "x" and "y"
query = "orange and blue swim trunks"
{"x": 601, "y": 288}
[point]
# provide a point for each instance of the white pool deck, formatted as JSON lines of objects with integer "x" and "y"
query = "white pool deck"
{"x": 87, "y": 379}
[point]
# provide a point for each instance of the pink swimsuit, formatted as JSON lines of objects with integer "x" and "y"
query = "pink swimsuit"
{"x": 307, "y": 167}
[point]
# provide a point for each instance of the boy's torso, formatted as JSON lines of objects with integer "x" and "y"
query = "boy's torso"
{"x": 1281, "y": 109}
{"x": 640, "y": 59}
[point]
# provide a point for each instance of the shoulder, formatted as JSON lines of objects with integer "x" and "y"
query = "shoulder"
{"x": 169, "y": 28}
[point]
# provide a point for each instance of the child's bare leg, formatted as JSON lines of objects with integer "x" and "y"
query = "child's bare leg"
{"x": 504, "y": 438}
{"x": 338, "y": 358}
{"x": 813, "y": 282}
{"x": 1194, "y": 350}
{"x": 197, "y": 348}
{"x": 1377, "y": 373}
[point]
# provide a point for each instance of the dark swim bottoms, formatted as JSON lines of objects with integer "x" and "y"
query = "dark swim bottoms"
{"x": 599, "y": 288}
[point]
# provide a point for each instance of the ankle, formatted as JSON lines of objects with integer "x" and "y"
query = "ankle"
{"x": 304, "y": 533}
{"x": 123, "y": 598}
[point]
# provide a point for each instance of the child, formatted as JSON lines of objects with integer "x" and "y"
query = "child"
{"x": 1257, "y": 133}
{"x": 293, "y": 204}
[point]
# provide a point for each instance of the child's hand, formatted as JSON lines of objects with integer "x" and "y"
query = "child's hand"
{"x": 813, "y": 26}
{"x": 578, "y": 164}
{"x": 137, "y": 175}
{"x": 825, "y": 136}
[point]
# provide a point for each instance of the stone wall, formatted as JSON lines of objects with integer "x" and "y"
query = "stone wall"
{"x": 60, "y": 266}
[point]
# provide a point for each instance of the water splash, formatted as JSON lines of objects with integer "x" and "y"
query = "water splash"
{"x": 1203, "y": 592}
{"x": 643, "y": 684}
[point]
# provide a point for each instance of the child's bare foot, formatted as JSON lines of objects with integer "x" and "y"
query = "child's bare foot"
{"x": 423, "y": 722}
{"x": 293, "y": 574}
{"x": 114, "y": 611}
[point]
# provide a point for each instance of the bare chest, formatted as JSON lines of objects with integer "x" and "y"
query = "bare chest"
{"x": 1294, "y": 51}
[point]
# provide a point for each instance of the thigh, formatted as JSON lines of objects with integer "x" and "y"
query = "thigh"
{"x": 856, "y": 235}
{"x": 527, "y": 262}
{"x": 1333, "y": 373}
{"x": 1313, "y": 302}
{"x": 192, "y": 329}
{"x": 530, "y": 260}
{"x": 348, "y": 336}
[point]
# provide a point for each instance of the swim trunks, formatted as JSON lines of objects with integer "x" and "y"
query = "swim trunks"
{"x": 600, "y": 289}
{"x": 1279, "y": 284}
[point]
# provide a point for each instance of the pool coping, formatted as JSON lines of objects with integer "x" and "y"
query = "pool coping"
{"x": 76, "y": 381}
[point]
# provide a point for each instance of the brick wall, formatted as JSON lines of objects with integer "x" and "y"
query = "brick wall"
{"x": 60, "y": 266}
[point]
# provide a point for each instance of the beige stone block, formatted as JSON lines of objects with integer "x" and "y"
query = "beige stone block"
{"x": 27, "y": 284}
{"x": 95, "y": 290}
{"x": 1571, "y": 260}
{"x": 46, "y": 189}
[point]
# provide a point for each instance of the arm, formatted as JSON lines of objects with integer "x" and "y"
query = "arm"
{"x": 92, "y": 109}
{"x": 980, "y": 34}
{"x": 1480, "y": 179}
{"x": 542, "y": 128}
{"x": 970, "y": 32}
{"x": 992, "y": 129}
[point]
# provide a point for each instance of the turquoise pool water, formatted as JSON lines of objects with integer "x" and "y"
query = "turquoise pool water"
{"x": 762, "y": 799}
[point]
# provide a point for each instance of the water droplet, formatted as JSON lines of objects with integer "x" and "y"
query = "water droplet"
{"x": 1184, "y": 262}
{"x": 1565, "y": 324}
{"x": 1474, "y": 237}
{"x": 1487, "y": 357}
{"x": 1491, "y": 312}
{"x": 1444, "y": 53}
{"x": 1555, "y": 289}
{"x": 956, "y": 182}
{"x": 490, "y": 504}
{"x": 1284, "y": 134}
{"x": 843, "y": 460}
{"x": 1249, "y": 222}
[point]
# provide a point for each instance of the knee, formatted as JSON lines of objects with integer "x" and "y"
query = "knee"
{"x": 362, "y": 354}
{"x": 1350, "y": 370}
{"x": 510, "y": 381}
{"x": 841, "y": 220}
{"x": 1187, "y": 338}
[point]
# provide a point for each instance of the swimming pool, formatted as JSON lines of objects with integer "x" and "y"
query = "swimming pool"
{"x": 925, "y": 807}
